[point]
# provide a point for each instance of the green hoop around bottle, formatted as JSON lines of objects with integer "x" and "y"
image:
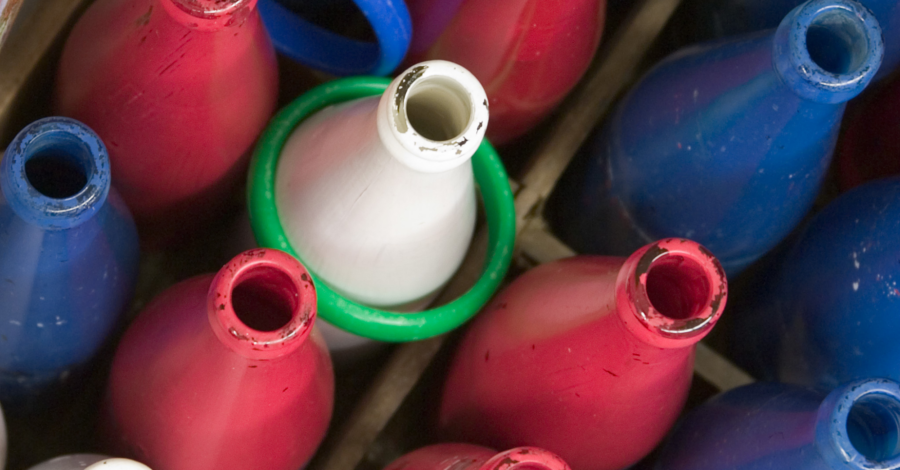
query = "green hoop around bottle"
{"x": 334, "y": 308}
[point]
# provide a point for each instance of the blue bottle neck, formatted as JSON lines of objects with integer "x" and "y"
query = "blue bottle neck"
{"x": 858, "y": 426}
{"x": 828, "y": 50}
{"x": 55, "y": 174}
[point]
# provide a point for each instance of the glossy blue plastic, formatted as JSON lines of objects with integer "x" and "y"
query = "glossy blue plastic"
{"x": 720, "y": 18}
{"x": 775, "y": 426}
{"x": 727, "y": 143}
{"x": 322, "y": 49}
{"x": 832, "y": 312}
{"x": 68, "y": 257}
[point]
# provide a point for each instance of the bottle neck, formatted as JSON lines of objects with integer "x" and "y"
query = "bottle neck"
{"x": 55, "y": 174}
{"x": 828, "y": 51}
{"x": 262, "y": 304}
{"x": 433, "y": 116}
{"x": 669, "y": 294}
{"x": 858, "y": 426}
{"x": 209, "y": 15}
{"x": 525, "y": 458}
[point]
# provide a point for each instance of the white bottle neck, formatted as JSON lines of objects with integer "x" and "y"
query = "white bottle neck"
{"x": 433, "y": 116}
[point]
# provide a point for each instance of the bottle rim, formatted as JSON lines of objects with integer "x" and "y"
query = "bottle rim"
{"x": 71, "y": 150}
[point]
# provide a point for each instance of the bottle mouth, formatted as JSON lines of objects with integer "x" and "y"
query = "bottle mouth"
{"x": 829, "y": 50}
{"x": 262, "y": 303}
{"x": 525, "y": 458}
{"x": 56, "y": 173}
{"x": 437, "y": 112}
{"x": 210, "y": 9}
{"x": 864, "y": 424}
{"x": 678, "y": 289}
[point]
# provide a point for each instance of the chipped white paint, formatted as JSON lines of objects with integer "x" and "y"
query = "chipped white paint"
{"x": 377, "y": 195}
{"x": 89, "y": 462}
{"x": 856, "y": 285}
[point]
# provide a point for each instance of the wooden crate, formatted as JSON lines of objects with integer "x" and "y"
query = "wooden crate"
{"x": 384, "y": 413}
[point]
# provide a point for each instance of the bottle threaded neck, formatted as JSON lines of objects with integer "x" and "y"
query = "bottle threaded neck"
{"x": 55, "y": 174}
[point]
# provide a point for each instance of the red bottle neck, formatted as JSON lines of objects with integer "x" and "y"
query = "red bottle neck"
{"x": 525, "y": 458}
{"x": 209, "y": 15}
{"x": 262, "y": 304}
{"x": 670, "y": 294}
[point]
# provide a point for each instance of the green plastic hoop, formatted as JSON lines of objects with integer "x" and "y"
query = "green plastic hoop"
{"x": 346, "y": 314}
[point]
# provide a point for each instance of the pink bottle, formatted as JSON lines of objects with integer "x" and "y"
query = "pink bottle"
{"x": 471, "y": 457}
{"x": 221, "y": 372}
{"x": 179, "y": 91}
{"x": 527, "y": 54}
{"x": 588, "y": 357}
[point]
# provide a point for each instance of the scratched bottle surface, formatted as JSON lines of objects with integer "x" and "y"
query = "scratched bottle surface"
{"x": 829, "y": 314}
{"x": 224, "y": 372}
{"x": 179, "y": 90}
{"x": 452, "y": 456}
{"x": 68, "y": 259}
{"x": 528, "y": 54}
{"x": 725, "y": 143}
{"x": 568, "y": 357}
{"x": 776, "y": 426}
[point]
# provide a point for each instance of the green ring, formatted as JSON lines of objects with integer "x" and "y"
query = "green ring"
{"x": 346, "y": 314}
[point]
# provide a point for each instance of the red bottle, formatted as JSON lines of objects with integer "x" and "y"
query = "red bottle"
{"x": 221, "y": 372}
{"x": 178, "y": 90}
{"x": 589, "y": 357}
{"x": 471, "y": 457}
{"x": 527, "y": 54}
{"x": 870, "y": 145}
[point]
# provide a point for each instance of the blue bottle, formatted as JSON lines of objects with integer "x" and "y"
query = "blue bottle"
{"x": 775, "y": 426}
{"x": 831, "y": 313}
{"x": 68, "y": 258}
{"x": 720, "y": 18}
{"x": 726, "y": 144}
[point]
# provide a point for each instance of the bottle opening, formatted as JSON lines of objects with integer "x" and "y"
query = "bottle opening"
{"x": 57, "y": 173}
{"x": 677, "y": 287}
{"x": 873, "y": 427}
{"x": 438, "y": 108}
{"x": 265, "y": 299}
{"x": 837, "y": 42}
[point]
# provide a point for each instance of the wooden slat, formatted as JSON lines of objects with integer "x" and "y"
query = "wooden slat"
{"x": 26, "y": 48}
{"x": 9, "y": 9}
{"x": 395, "y": 380}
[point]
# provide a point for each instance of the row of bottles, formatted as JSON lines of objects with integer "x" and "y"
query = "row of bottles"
{"x": 725, "y": 144}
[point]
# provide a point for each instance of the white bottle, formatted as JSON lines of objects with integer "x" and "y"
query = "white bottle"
{"x": 89, "y": 462}
{"x": 377, "y": 195}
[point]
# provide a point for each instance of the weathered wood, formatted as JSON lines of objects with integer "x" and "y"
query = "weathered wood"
{"x": 377, "y": 406}
{"x": 9, "y": 9}
{"x": 398, "y": 376}
{"x": 33, "y": 39}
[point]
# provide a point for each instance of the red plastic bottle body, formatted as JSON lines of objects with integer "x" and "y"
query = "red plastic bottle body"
{"x": 193, "y": 387}
{"x": 870, "y": 146}
{"x": 586, "y": 357}
{"x": 178, "y": 99}
{"x": 527, "y": 54}
{"x": 472, "y": 457}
